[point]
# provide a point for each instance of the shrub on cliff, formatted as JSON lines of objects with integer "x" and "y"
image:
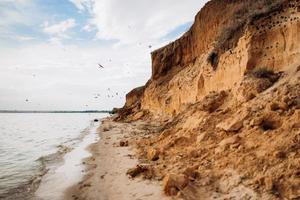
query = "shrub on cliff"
{"x": 263, "y": 73}
{"x": 213, "y": 60}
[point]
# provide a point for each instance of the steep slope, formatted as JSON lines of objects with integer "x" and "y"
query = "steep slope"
{"x": 227, "y": 96}
{"x": 188, "y": 69}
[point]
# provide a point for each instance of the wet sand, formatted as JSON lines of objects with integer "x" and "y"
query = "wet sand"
{"x": 106, "y": 169}
{"x": 58, "y": 179}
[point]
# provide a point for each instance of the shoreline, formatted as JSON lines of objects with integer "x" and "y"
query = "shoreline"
{"x": 45, "y": 142}
{"x": 69, "y": 170}
{"x": 106, "y": 169}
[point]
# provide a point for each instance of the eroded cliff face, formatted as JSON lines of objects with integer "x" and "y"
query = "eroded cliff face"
{"x": 132, "y": 106}
{"x": 185, "y": 71}
{"x": 227, "y": 96}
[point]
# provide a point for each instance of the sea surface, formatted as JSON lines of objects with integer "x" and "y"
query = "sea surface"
{"x": 31, "y": 142}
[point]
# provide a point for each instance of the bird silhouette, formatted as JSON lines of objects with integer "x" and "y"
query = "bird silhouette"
{"x": 100, "y": 66}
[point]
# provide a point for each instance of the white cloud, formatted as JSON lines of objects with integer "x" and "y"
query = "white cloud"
{"x": 17, "y": 2}
{"x": 12, "y": 12}
{"x": 59, "y": 31}
{"x": 6, "y": 34}
{"x": 88, "y": 28}
{"x": 60, "y": 28}
{"x": 83, "y": 4}
{"x": 24, "y": 38}
{"x": 134, "y": 21}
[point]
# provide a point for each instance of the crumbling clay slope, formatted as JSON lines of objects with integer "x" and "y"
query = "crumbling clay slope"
{"x": 227, "y": 98}
{"x": 203, "y": 61}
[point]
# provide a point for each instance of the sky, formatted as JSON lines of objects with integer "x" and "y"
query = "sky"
{"x": 50, "y": 49}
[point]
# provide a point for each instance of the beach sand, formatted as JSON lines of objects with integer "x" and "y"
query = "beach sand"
{"x": 106, "y": 169}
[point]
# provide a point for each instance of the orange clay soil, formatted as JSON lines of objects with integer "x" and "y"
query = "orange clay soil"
{"x": 220, "y": 116}
{"x": 225, "y": 99}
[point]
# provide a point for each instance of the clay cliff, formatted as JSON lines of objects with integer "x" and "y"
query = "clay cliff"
{"x": 227, "y": 98}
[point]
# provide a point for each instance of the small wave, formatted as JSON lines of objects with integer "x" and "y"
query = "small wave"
{"x": 27, "y": 189}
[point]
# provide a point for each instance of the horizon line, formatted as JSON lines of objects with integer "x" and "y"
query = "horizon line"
{"x": 55, "y": 111}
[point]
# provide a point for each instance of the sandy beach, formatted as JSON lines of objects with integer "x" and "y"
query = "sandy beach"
{"x": 107, "y": 167}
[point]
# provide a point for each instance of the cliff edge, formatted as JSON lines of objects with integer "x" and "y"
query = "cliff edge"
{"x": 227, "y": 98}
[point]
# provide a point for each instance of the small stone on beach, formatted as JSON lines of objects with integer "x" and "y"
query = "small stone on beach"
{"x": 133, "y": 172}
{"x": 123, "y": 143}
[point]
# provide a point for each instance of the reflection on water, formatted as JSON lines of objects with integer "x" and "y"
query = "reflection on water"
{"x": 24, "y": 138}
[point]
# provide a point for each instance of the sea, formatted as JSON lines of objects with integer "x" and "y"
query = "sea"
{"x": 39, "y": 151}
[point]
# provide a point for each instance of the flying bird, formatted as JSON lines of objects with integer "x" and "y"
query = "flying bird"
{"x": 100, "y": 66}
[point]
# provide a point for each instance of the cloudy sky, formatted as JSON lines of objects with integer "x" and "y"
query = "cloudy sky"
{"x": 50, "y": 49}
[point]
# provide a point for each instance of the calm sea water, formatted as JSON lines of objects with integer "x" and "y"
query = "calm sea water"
{"x": 26, "y": 138}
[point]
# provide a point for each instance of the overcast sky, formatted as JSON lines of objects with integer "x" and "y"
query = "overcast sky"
{"x": 50, "y": 49}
